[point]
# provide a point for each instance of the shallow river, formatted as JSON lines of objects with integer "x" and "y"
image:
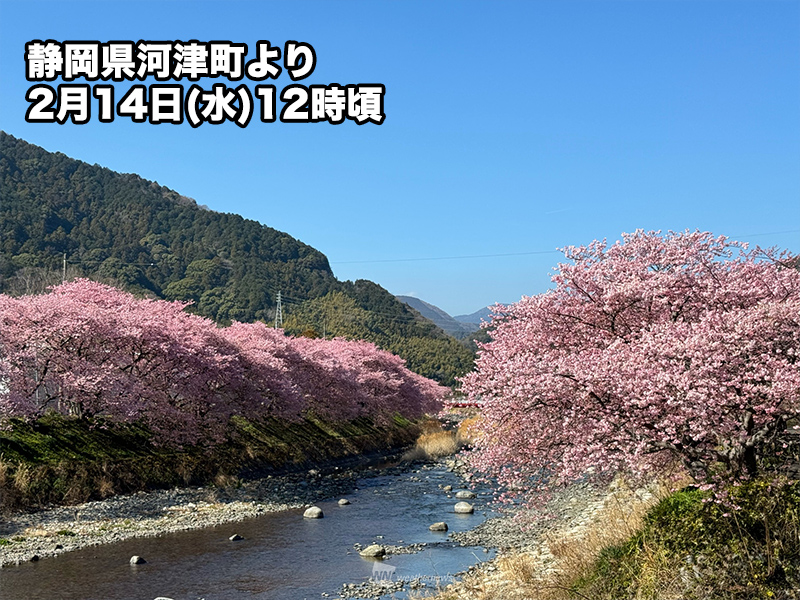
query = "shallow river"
{"x": 283, "y": 556}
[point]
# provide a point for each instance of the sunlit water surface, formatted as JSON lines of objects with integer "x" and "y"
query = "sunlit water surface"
{"x": 283, "y": 556}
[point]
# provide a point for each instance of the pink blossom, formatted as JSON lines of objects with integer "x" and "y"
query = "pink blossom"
{"x": 657, "y": 349}
{"x": 87, "y": 349}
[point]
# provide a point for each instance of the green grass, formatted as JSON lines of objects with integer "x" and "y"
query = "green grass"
{"x": 53, "y": 438}
{"x": 693, "y": 548}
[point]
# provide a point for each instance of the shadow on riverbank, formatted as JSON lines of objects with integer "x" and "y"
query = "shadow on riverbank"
{"x": 65, "y": 462}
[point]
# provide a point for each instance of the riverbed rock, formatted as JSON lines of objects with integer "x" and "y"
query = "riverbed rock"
{"x": 235, "y": 537}
{"x": 137, "y": 560}
{"x": 440, "y": 526}
{"x": 464, "y": 508}
{"x": 373, "y": 551}
{"x": 315, "y": 512}
{"x": 344, "y": 502}
{"x": 465, "y": 495}
{"x": 447, "y": 488}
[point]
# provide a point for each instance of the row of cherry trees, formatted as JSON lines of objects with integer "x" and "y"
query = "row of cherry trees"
{"x": 87, "y": 349}
{"x": 654, "y": 350}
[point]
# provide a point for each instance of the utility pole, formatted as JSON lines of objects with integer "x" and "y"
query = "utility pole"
{"x": 279, "y": 313}
{"x": 64, "y": 269}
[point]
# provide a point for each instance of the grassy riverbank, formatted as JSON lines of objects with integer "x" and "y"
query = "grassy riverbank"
{"x": 689, "y": 547}
{"x": 68, "y": 461}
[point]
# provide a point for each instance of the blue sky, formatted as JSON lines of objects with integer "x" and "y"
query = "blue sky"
{"x": 511, "y": 128}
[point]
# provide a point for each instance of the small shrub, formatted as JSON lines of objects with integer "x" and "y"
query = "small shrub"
{"x": 224, "y": 480}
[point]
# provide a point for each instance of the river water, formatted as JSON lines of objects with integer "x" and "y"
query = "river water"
{"x": 283, "y": 556}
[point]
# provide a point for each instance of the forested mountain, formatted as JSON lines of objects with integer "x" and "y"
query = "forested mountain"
{"x": 150, "y": 240}
{"x": 361, "y": 311}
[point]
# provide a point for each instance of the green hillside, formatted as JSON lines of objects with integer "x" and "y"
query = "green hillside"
{"x": 148, "y": 239}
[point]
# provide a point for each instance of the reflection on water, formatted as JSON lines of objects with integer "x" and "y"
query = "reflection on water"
{"x": 283, "y": 556}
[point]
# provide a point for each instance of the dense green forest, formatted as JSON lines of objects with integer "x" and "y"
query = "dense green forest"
{"x": 152, "y": 241}
{"x": 361, "y": 310}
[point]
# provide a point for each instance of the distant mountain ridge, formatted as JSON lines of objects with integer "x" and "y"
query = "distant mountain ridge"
{"x": 484, "y": 314}
{"x": 443, "y": 320}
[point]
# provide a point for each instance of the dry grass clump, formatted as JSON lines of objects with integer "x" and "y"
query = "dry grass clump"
{"x": 434, "y": 445}
{"x": 575, "y": 552}
{"x": 440, "y": 443}
{"x": 226, "y": 480}
{"x": 620, "y": 517}
{"x": 436, "y": 442}
{"x": 467, "y": 429}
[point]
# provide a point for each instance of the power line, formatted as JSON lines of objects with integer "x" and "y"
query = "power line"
{"x": 531, "y": 253}
{"x": 79, "y": 261}
{"x": 745, "y": 235}
{"x": 389, "y": 260}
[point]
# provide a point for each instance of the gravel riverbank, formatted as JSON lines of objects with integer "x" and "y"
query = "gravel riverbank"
{"x": 569, "y": 507}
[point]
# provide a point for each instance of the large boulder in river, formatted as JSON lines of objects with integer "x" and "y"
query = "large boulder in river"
{"x": 137, "y": 560}
{"x": 464, "y": 508}
{"x": 344, "y": 502}
{"x": 440, "y": 526}
{"x": 315, "y": 512}
{"x": 465, "y": 495}
{"x": 373, "y": 551}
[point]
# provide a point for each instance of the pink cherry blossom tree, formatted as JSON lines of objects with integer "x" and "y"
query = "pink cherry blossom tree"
{"x": 659, "y": 348}
{"x": 270, "y": 364}
{"x": 87, "y": 349}
{"x": 90, "y": 350}
{"x": 343, "y": 379}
